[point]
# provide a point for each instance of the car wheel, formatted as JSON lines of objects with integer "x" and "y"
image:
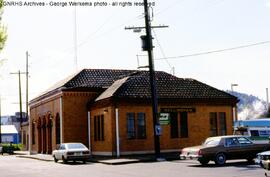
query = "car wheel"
{"x": 84, "y": 161}
{"x": 64, "y": 160}
{"x": 55, "y": 159}
{"x": 250, "y": 160}
{"x": 220, "y": 159}
{"x": 203, "y": 161}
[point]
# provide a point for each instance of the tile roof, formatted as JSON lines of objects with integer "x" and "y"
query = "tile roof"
{"x": 97, "y": 78}
{"x": 168, "y": 86}
{"x": 135, "y": 84}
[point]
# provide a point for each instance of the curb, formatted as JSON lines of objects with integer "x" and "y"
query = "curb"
{"x": 36, "y": 158}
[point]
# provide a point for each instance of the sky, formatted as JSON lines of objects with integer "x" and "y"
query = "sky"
{"x": 195, "y": 26}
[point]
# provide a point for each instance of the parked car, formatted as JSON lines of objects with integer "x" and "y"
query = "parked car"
{"x": 221, "y": 148}
{"x": 263, "y": 159}
{"x": 71, "y": 151}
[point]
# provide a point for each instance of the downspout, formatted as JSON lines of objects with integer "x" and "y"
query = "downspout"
{"x": 89, "y": 131}
{"x": 61, "y": 119}
{"x": 117, "y": 133}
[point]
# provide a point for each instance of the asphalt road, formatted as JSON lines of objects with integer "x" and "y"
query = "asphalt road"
{"x": 12, "y": 166}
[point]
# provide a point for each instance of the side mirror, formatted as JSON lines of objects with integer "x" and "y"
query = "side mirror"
{"x": 57, "y": 146}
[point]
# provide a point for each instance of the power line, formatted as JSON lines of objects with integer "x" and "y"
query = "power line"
{"x": 162, "y": 52}
{"x": 215, "y": 51}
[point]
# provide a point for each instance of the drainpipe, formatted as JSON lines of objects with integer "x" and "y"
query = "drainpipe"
{"x": 89, "y": 131}
{"x": 61, "y": 119}
{"x": 117, "y": 133}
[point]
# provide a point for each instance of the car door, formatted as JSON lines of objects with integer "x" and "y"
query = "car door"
{"x": 60, "y": 152}
{"x": 233, "y": 148}
{"x": 247, "y": 148}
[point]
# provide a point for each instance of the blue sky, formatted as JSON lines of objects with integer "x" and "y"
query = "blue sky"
{"x": 194, "y": 26}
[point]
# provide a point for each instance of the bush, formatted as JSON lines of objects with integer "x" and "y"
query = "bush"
{"x": 14, "y": 147}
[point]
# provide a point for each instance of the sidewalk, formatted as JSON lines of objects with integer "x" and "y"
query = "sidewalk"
{"x": 104, "y": 160}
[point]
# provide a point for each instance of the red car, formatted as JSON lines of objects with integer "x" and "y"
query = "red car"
{"x": 221, "y": 148}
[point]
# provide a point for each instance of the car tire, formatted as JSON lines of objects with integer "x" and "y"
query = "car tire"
{"x": 250, "y": 160}
{"x": 64, "y": 160}
{"x": 55, "y": 159}
{"x": 84, "y": 161}
{"x": 203, "y": 161}
{"x": 220, "y": 159}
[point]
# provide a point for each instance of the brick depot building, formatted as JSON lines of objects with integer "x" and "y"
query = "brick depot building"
{"x": 111, "y": 113}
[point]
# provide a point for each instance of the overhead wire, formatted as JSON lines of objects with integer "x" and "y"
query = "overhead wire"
{"x": 162, "y": 51}
{"x": 215, "y": 51}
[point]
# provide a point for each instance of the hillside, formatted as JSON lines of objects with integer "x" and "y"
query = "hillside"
{"x": 249, "y": 106}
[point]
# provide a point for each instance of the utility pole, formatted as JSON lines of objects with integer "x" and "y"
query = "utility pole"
{"x": 148, "y": 46}
{"x": 20, "y": 94}
{"x": 267, "y": 101}
{"x": 27, "y": 73}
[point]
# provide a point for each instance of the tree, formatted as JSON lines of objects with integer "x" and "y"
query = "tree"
{"x": 3, "y": 34}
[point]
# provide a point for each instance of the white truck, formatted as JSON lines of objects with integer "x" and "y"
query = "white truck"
{"x": 258, "y": 130}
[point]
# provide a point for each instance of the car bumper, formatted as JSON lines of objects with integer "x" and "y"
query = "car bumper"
{"x": 84, "y": 157}
{"x": 190, "y": 156}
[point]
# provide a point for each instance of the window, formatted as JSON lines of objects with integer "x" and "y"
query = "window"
{"x": 99, "y": 128}
{"x": 174, "y": 124}
{"x": 244, "y": 141}
{"x": 222, "y": 123}
{"x": 33, "y": 133}
{"x": 141, "y": 127}
{"x": 183, "y": 125}
{"x": 231, "y": 142}
{"x": 213, "y": 124}
{"x": 136, "y": 126}
{"x": 130, "y": 125}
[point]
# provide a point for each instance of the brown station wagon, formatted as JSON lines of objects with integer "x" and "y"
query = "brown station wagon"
{"x": 221, "y": 148}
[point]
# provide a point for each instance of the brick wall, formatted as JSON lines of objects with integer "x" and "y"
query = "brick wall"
{"x": 198, "y": 126}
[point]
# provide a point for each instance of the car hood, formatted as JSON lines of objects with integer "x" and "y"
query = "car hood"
{"x": 264, "y": 153}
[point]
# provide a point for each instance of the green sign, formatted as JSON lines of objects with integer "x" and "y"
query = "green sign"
{"x": 164, "y": 118}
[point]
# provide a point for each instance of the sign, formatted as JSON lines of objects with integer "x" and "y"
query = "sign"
{"x": 168, "y": 110}
{"x": 164, "y": 118}
{"x": 158, "y": 130}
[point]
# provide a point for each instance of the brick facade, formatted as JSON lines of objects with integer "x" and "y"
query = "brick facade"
{"x": 62, "y": 113}
{"x": 198, "y": 128}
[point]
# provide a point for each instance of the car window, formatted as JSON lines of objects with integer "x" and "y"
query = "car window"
{"x": 212, "y": 142}
{"x": 75, "y": 146}
{"x": 231, "y": 142}
{"x": 62, "y": 147}
{"x": 243, "y": 141}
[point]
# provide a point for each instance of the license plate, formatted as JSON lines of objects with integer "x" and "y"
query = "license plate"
{"x": 78, "y": 153}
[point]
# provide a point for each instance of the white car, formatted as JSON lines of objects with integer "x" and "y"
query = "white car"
{"x": 71, "y": 151}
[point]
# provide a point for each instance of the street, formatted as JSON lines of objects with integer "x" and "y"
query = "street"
{"x": 11, "y": 166}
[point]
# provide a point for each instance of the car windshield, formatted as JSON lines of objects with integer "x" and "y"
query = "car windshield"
{"x": 211, "y": 142}
{"x": 75, "y": 146}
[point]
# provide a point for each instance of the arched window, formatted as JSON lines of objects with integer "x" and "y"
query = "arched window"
{"x": 33, "y": 133}
{"x": 57, "y": 128}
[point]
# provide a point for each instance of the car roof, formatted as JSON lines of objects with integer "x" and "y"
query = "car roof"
{"x": 227, "y": 136}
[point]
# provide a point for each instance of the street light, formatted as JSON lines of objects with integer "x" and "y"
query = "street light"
{"x": 233, "y": 85}
{"x": 234, "y": 108}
